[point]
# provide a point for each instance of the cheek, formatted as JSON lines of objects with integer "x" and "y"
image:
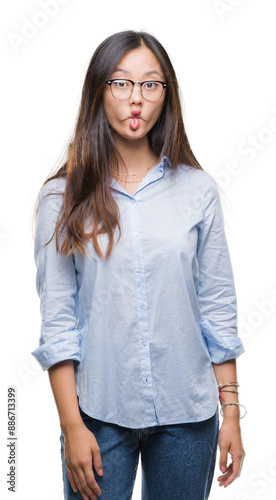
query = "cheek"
{"x": 108, "y": 105}
{"x": 109, "y": 115}
{"x": 113, "y": 110}
{"x": 156, "y": 112}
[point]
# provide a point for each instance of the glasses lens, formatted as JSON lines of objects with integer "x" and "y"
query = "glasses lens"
{"x": 152, "y": 91}
{"x": 121, "y": 89}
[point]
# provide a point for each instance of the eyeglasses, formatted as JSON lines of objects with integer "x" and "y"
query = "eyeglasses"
{"x": 151, "y": 90}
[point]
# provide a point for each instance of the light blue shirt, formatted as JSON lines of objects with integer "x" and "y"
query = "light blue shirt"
{"x": 144, "y": 326}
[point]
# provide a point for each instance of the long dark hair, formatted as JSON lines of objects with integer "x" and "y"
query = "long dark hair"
{"x": 92, "y": 153}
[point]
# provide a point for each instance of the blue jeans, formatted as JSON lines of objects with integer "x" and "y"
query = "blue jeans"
{"x": 177, "y": 460}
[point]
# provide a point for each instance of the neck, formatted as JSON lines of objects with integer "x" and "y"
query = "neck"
{"x": 135, "y": 154}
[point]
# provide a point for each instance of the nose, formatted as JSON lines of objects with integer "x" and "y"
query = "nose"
{"x": 136, "y": 95}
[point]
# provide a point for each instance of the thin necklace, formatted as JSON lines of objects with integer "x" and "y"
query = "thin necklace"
{"x": 137, "y": 173}
{"x": 128, "y": 182}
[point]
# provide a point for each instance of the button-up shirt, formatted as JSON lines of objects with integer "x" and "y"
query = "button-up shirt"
{"x": 143, "y": 327}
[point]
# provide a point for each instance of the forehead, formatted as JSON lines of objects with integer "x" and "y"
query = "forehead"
{"x": 141, "y": 60}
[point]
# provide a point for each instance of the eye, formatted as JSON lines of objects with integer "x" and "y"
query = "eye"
{"x": 121, "y": 84}
{"x": 151, "y": 85}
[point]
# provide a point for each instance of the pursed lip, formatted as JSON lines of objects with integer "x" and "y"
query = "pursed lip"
{"x": 136, "y": 114}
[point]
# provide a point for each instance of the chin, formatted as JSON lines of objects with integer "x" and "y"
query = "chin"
{"x": 133, "y": 134}
{"x": 139, "y": 132}
{"x": 130, "y": 134}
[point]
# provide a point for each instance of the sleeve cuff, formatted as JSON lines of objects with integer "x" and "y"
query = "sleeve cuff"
{"x": 53, "y": 351}
{"x": 221, "y": 348}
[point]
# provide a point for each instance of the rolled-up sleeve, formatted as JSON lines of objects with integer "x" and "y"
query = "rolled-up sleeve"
{"x": 56, "y": 286}
{"x": 216, "y": 288}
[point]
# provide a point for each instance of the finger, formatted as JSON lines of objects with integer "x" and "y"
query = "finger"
{"x": 227, "y": 472}
{"x": 97, "y": 461}
{"x": 222, "y": 479}
{"x": 235, "y": 471}
{"x": 71, "y": 479}
{"x": 223, "y": 458}
{"x": 85, "y": 491}
{"x": 242, "y": 459}
{"x": 91, "y": 481}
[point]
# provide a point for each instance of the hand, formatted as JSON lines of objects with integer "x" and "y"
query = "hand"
{"x": 81, "y": 452}
{"x": 230, "y": 442}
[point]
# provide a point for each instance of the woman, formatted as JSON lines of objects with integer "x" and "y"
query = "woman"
{"x": 137, "y": 294}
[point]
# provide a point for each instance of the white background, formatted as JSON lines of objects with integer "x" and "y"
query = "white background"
{"x": 224, "y": 56}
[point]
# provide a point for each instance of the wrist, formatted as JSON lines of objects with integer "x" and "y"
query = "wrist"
{"x": 231, "y": 413}
{"x": 70, "y": 425}
{"x": 230, "y": 406}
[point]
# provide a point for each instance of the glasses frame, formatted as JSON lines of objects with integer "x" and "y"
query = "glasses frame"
{"x": 109, "y": 82}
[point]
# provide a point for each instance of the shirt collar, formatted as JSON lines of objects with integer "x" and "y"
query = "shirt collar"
{"x": 156, "y": 171}
{"x": 165, "y": 162}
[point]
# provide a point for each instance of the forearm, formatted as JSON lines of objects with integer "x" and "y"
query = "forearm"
{"x": 63, "y": 383}
{"x": 227, "y": 372}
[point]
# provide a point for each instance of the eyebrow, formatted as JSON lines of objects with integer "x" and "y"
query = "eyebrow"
{"x": 151, "y": 72}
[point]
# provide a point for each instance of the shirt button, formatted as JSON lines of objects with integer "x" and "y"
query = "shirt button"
{"x": 142, "y": 306}
{"x": 144, "y": 342}
{"x": 136, "y": 234}
{"x": 139, "y": 270}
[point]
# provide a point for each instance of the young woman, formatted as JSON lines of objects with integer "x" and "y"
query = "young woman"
{"x": 137, "y": 293}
